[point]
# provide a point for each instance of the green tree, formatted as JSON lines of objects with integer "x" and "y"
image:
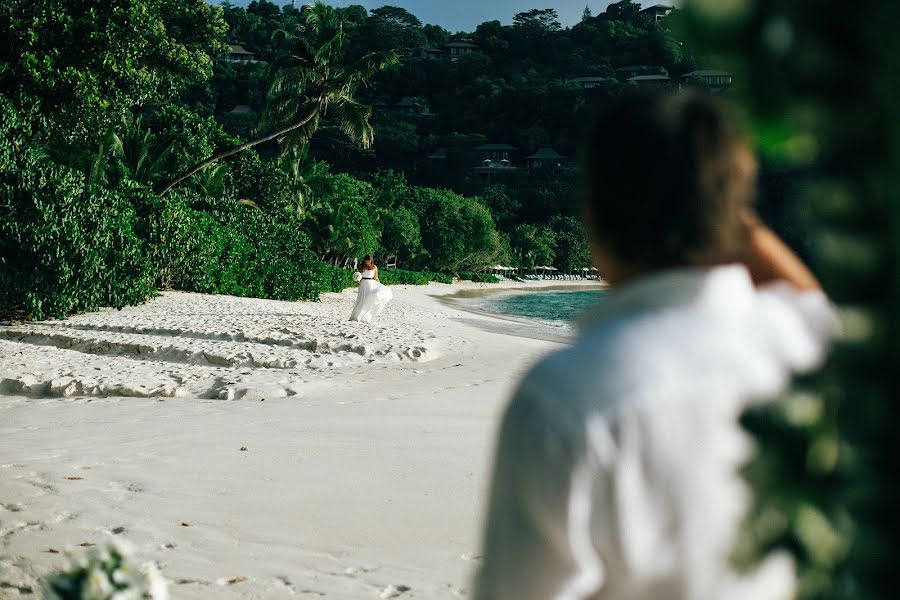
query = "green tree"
{"x": 139, "y": 151}
{"x": 624, "y": 10}
{"x": 90, "y": 62}
{"x": 457, "y": 232}
{"x": 503, "y": 207}
{"x": 570, "y": 244}
{"x": 436, "y": 35}
{"x": 342, "y": 226}
{"x": 396, "y": 29}
{"x": 300, "y": 167}
{"x": 401, "y": 237}
{"x": 310, "y": 80}
{"x": 532, "y": 245}
{"x": 537, "y": 22}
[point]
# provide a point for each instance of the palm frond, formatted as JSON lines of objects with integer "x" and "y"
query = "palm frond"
{"x": 301, "y": 135}
{"x": 106, "y": 149}
{"x": 353, "y": 118}
{"x": 292, "y": 81}
{"x": 250, "y": 203}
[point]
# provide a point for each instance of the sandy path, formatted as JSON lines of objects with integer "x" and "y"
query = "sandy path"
{"x": 367, "y": 448}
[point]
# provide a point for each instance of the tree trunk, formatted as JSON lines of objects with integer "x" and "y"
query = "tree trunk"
{"x": 232, "y": 151}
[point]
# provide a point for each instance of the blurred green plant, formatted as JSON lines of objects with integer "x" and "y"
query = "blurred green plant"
{"x": 820, "y": 80}
{"x": 109, "y": 573}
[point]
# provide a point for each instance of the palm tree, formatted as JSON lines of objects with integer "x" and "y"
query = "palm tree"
{"x": 311, "y": 80}
{"x": 142, "y": 155}
{"x": 325, "y": 228}
{"x": 300, "y": 166}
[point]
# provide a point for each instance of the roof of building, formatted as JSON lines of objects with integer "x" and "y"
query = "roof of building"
{"x": 496, "y": 147}
{"x": 407, "y": 101}
{"x": 460, "y": 45}
{"x": 707, "y": 73}
{"x": 235, "y": 49}
{"x": 657, "y": 7}
{"x": 631, "y": 68}
{"x": 433, "y": 50}
{"x": 546, "y": 153}
{"x": 588, "y": 79}
{"x": 438, "y": 153}
{"x": 241, "y": 109}
{"x": 649, "y": 78}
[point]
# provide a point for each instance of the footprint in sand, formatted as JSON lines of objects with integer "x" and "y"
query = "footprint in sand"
{"x": 392, "y": 591}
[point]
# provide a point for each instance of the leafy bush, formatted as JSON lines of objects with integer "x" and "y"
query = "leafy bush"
{"x": 234, "y": 250}
{"x": 64, "y": 247}
{"x": 403, "y": 277}
{"x": 401, "y": 237}
{"x": 334, "y": 279}
{"x": 456, "y": 231}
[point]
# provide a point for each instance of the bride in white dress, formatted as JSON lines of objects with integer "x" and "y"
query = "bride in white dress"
{"x": 372, "y": 296}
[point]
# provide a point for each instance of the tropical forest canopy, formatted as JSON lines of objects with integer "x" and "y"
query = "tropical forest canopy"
{"x": 260, "y": 151}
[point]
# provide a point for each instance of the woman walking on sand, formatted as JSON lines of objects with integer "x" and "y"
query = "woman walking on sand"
{"x": 372, "y": 296}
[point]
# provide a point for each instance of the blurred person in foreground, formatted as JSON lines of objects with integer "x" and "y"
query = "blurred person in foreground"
{"x": 617, "y": 468}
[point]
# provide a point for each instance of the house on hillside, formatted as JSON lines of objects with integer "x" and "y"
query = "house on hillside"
{"x": 545, "y": 159}
{"x": 455, "y": 50}
{"x": 432, "y": 54}
{"x": 241, "y": 109}
{"x": 627, "y": 72}
{"x": 651, "y": 81}
{"x": 589, "y": 83}
{"x": 657, "y": 12}
{"x": 238, "y": 54}
{"x": 496, "y": 151}
{"x": 714, "y": 81}
{"x": 496, "y": 159}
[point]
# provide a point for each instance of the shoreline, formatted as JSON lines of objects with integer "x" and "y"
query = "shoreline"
{"x": 518, "y": 326}
{"x": 367, "y": 454}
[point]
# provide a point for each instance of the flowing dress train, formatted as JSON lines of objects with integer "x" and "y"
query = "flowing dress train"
{"x": 371, "y": 298}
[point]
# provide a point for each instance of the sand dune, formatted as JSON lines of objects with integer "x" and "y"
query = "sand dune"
{"x": 255, "y": 448}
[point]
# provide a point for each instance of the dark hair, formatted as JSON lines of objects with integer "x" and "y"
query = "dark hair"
{"x": 667, "y": 177}
{"x": 367, "y": 260}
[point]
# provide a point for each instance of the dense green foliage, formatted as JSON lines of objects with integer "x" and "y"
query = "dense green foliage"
{"x": 827, "y": 113}
{"x": 232, "y": 250}
{"x": 88, "y": 62}
{"x": 107, "y": 103}
{"x": 401, "y": 277}
{"x": 506, "y": 91}
{"x": 64, "y": 246}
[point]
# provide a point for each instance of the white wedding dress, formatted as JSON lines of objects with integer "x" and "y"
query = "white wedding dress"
{"x": 371, "y": 298}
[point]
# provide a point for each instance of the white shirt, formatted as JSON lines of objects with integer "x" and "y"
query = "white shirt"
{"x": 616, "y": 472}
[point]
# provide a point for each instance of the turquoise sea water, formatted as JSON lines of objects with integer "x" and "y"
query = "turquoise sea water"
{"x": 554, "y": 308}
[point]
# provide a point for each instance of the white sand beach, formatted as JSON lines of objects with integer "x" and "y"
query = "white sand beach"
{"x": 257, "y": 448}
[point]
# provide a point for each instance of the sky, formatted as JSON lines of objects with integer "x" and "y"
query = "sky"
{"x": 465, "y": 15}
